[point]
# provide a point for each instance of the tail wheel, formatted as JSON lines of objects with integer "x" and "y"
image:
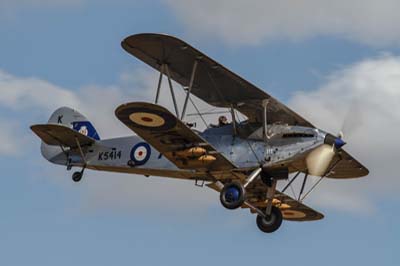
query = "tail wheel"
{"x": 232, "y": 195}
{"x": 77, "y": 176}
{"x": 271, "y": 222}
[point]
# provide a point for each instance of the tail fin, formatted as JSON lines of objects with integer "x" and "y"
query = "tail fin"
{"x": 73, "y": 119}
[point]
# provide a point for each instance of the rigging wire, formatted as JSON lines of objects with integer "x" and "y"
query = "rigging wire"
{"x": 209, "y": 113}
{"x": 247, "y": 141}
{"x": 197, "y": 110}
{"x": 292, "y": 189}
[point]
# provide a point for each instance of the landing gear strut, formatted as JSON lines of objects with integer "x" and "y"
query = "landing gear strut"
{"x": 233, "y": 196}
{"x": 77, "y": 176}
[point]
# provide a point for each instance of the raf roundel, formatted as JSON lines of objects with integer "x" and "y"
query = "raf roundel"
{"x": 293, "y": 214}
{"x": 147, "y": 119}
{"x": 140, "y": 153}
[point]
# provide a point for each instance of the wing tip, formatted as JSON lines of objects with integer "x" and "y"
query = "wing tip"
{"x": 130, "y": 40}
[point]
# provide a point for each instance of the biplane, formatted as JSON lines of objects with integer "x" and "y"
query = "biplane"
{"x": 242, "y": 160}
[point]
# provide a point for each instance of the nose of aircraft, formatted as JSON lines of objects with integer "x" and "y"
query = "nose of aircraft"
{"x": 333, "y": 140}
{"x": 339, "y": 143}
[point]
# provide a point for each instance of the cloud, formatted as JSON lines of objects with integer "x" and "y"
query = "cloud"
{"x": 362, "y": 100}
{"x": 252, "y": 22}
{"x": 10, "y": 144}
{"x": 29, "y": 93}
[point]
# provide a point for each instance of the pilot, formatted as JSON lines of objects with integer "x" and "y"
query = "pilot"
{"x": 222, "y": 121}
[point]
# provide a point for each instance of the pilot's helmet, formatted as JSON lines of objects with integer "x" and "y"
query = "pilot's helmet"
{"x": 222, "y": 120}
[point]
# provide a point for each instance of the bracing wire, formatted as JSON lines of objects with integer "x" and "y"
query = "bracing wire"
{"x": 197, "y": 110}
{"x": 247, "y": 141}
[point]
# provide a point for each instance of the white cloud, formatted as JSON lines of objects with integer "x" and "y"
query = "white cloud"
{"x": 26, "y": 93}
{"x": 251, "y": 22}
{"x": 364, "y": 98}
{"x": 11, "y": 142}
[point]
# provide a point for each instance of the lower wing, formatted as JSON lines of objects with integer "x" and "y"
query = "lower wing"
{"x": 292, "y": 210}
{"x": 172, "y": 138}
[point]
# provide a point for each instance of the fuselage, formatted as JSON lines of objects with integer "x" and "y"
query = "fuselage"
{"x": 283, "y": 145}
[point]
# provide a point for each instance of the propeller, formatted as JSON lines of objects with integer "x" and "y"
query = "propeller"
{"x": 352, "y": 119}
{"x": 319, "y": 159}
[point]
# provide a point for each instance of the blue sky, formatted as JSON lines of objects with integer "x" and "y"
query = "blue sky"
{"x": 68, "y": 53}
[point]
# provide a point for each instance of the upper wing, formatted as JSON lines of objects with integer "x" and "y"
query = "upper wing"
{"x": 170, "y": 136}
{"x": 212, "y": 83}
{"x": 55, "y": 134}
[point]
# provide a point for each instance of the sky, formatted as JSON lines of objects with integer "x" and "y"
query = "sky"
{"x": 337, "y": 63}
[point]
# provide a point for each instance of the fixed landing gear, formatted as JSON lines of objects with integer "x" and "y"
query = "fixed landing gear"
{"x": 77, "y": 176}
{"x": 270, "y": 223}
{"x": 232, "y": 195}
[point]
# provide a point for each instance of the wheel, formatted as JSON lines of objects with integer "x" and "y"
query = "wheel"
{"x": 232, "y": 195}
{"x": 270, "y": 223}
{"x": 77, "y": 176}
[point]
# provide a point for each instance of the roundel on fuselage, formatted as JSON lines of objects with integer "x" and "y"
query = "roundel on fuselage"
{"x": 140, "y": 153}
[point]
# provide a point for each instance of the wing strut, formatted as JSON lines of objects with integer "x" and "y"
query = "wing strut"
{"x": 172, "y": 90}
{"x": 159, "y": 83}
{"x": 164, "y": 67}
{"x": 234, "y": 126}
{"x": 189, "y": 89}
{"x": 265, "y": 120}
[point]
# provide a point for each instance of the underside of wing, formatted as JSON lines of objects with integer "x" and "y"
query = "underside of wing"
{"x": 343, "y": 166}
{"x": 212, "y": 82}
{"x": 171, "y": 137}
{"x": 60, "y": 135}
{"x": 292, "y": 210}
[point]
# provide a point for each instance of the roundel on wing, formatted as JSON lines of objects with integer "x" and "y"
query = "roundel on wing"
{"x": 151, "y": 119}
{"x": 147, "y": 119}
{"x": 293, "y": 214}
{"x": 140, "y": 153}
